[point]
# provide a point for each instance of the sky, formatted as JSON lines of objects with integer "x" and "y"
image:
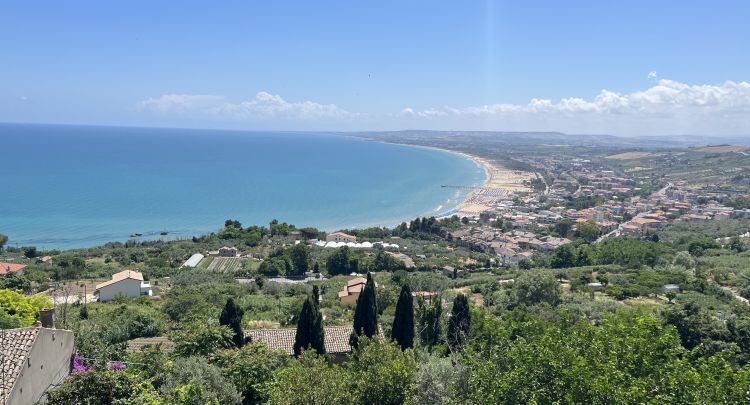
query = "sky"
{"x": 594, "y": 67}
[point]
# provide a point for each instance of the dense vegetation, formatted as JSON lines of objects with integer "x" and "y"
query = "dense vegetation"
{"x": 588, "y": 323}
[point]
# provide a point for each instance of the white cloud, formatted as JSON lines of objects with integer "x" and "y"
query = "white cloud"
{"x": 666, "y": 107}
{"x": 652, "y": 74}
{"x": 179, "y": 102}
{"x": 724, "y": 106}
{"x": 263, "y": 106}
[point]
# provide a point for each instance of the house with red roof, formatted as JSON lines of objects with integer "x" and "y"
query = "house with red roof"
{"x": 128, "y": 283}
{"x": 11, "y": 268}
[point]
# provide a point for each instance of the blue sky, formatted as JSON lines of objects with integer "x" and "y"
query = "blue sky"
{"x": 634, "y": 67}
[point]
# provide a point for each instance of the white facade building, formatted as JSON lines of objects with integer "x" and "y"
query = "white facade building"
{"x": 128, "y": 283}
{"x": 340, "y": 237}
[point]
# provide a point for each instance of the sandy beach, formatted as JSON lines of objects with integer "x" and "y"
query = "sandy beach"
{"x": 502, "y": 184}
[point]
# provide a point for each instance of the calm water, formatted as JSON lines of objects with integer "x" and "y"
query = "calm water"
{"x": 70, "y": 186}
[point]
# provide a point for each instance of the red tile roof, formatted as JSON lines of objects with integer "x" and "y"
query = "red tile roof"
{"x": 6, "y": 268}
{"x": 14, "y": 349}
{"x": 336, "y": 338}
{"x": 123, "y": 275}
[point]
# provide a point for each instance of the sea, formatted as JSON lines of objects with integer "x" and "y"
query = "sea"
{"x": 67, "y": 186}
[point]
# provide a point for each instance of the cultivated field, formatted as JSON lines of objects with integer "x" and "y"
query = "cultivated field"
{"x": 225, "y": 264}
{"x": 722, "y": 149}
{"x": 632, "y": 155}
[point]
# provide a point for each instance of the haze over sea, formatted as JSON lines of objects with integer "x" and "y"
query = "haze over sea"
{"x": 76, "y": 186}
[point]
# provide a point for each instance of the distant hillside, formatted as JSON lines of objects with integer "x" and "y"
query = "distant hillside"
{"x": 548, "y": 139}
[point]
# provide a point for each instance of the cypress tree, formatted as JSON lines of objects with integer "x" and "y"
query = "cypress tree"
{"x": 310, "y": 333}
{"x": 231, "y": 316}
{"x": 403, "y": 322}
{"x": 430, "y": 327}
{"x": 366, "y": 312}
{"x": 318, "y": 333}
{"x": 459, "y": 323}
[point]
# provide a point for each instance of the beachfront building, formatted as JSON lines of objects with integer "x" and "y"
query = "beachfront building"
{"x": 34, "y": 359}
{"x": 128, "y": 283}
{"x": 11, "y": 268}
{"x": 340, "y": 237}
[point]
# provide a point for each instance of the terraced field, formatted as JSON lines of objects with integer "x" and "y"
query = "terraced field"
{"x": 225, "y": 264}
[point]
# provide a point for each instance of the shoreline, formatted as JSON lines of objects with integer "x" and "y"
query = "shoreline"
{"x": 497, "y": 188}
{"x": 461, "y": 204}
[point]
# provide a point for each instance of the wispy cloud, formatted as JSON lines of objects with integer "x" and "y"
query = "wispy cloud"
{"x": 723, "y": 107}
{"x": 666, "y": 107}
{"x": 263, "y": 106}
{"x": 667, "y": 97}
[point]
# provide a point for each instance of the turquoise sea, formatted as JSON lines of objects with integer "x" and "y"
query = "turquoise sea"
{"x": 73, "y": 186}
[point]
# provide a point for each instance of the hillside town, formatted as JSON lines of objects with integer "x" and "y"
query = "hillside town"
{"x": 268, "y": 293}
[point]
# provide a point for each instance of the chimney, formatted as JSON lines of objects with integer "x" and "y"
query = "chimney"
{"x": 47, "y": 317}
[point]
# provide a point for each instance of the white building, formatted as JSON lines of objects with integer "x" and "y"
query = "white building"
{"x": 128, "y": 283}
{"x": 340, "y": 237}
{"x": 34, "y": 360}
{"x": 193, "y": 260}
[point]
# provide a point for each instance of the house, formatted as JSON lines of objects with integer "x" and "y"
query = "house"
{"x": 427, "y": 296}
{"x": 452, "y": 272}
{"x": 128, "y": 283}
{"x": 193, "y": 260}
{"x": 33, "y": 360}
{"x": 506, "y": 256}
{"x": 225, "y": 251}
{"x": 408, "y": 262}
{"x": 348, "y": 296}
{"x": 336, "y": 339}
{"x": 44, "y": 259}
{"x": 8, "y": 268}
{"x": 340, "y": 237}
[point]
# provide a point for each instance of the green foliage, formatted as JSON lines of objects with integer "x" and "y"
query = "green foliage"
{"x": 563, "y": 227}
{"x": 202, "y": 339}
{"x": 382, "y": 373}
{"x": 535, "y": 287}
{"x": 563, "y": 257}
{"x": 430, "y": 325}
{"x": 341, "y": 262}
{"x": 300, "y": 256}
{"x": 630, "y": 252}
{"x": 459, "y": 323}
{"x": 628, "y": 359}
{"x": 698, "y": 246}
{"x": 310, "y": 380}
{"x": 18, "y": 310}
{"x": 438, "y": 381}
{"x": 697, "y": 327}
{"x": 191, "y": 380}
{"x": 250, "y": 368}
{"x": 94, "y": 387}
{"x": 403, "y": 321}
{"x": 588, "y": 231}
{"x": 231, "y": 317}
{"x": 310, "y": 333}
{"x": 13, "y": 281}
{"x": 3, "y": 241}
{"x": 366, "y": 311}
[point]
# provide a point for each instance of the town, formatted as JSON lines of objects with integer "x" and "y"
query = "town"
{"x": 247, "y": 314}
